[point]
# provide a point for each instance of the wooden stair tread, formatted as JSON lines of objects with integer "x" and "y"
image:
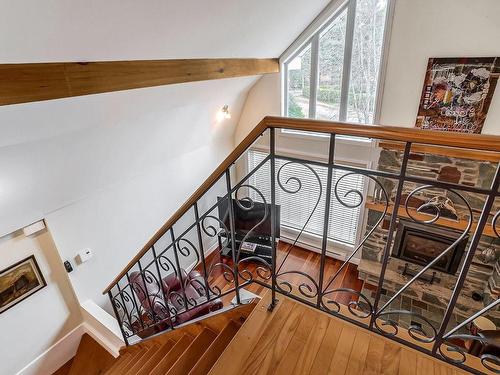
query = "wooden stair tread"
{"x": 121, "y": 368}
{"x": 155, "y": 358}
{"x": 141, "y": 361}
{"x": 91, "y": 358}
{"x": 119, "y": 362}
{"x": 191, "y": 355}
{"x": 166, "y": 363}
{"x": 214, "y": 351}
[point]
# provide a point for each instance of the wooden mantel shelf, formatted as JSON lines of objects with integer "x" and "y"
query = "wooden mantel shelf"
{"x": 444, "y": 151}
{"x": 458, "y": 225}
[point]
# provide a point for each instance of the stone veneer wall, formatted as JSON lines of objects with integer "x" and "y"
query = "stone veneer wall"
{"x": 422, "y": 298}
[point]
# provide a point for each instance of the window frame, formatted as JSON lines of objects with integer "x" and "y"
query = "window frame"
{"x": 311, "y": 36}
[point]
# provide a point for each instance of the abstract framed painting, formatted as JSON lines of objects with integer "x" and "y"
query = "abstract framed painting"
{"x": 19, "y": 281}
{"x": 457, "y": 93}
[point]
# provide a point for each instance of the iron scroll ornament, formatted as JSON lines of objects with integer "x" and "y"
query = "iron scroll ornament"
{"x": 293, "y": 185}
{"x": 447, "y": 348}
{"x": 354, "y": 307}
{"x": 418, "y": 332}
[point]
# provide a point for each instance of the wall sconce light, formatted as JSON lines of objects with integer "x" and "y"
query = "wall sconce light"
{"x": 223, "y": 113}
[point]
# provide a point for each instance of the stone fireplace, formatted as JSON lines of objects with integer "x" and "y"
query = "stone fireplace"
{"x": 416, "y": 244}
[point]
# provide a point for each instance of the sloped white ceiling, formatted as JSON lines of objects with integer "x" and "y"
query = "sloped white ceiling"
{"x": 69, "y": 30}
{"x": 57, "y": 152}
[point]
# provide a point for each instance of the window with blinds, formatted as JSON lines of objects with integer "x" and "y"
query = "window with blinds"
{"x": 297, "y": 207}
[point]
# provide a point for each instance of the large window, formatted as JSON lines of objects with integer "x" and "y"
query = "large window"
{"x": 334, "y": 75}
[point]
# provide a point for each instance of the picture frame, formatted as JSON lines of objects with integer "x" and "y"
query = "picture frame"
{"x": 457, "y": 93}
{"x": 19, "y": 281}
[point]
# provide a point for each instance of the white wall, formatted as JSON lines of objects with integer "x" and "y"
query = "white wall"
{"x": 32, "y": 326}
{"x": 428, "y": 28}
{"x": 158, "y": 147}
{"x": 57, "y": 152}
{"x": 421, "y": 29}
{"x": 263, "y": 100}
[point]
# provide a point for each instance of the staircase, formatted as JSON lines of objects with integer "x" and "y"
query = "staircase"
{"x": 171, "y": 282}
{"x": 192, "y": 349}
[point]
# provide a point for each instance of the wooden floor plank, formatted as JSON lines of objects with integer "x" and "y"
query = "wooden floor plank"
{"x": 272, "y": 344}
{"x": 391, "y": 358}
{"x": 312, "y": 345}
{"x": 425, "y": 366}
{"x": 357, "y": 359}
{"x": 373, "y": 364}
{"x": 408, "y": 362}
{"x": 440, "y": 369}
{"x": 328, "y": 345}
{"x": 287, "y": 361}
{"x": 340, "y": 359}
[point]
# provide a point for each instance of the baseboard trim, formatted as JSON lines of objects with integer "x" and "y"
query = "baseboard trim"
{"x": 56, "y": 355}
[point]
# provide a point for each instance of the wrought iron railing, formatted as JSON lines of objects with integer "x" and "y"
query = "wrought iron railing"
{"x": 176, "y": 277}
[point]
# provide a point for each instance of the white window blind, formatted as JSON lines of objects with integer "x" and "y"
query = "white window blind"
{"x": 296, "y": 208}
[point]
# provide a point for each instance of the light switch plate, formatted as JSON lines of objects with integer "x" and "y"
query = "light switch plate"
{"x": 85, "y": 255}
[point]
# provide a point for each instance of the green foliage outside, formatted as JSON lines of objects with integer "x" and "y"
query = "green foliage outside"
{"x": 294, "y": 109}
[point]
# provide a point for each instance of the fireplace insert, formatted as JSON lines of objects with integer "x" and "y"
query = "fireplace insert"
{"x": 421, "y": 243}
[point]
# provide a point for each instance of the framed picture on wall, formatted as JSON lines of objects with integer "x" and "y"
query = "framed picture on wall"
{"x": 457, "y": 93}
{"x": 19, "y": 281}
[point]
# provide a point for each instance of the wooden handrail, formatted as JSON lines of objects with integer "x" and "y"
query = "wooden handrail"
{"x": 393, "y": 133}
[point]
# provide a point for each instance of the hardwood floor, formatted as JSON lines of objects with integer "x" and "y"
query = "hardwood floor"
{"x": 298, "y": 260}
{"x": 296, "y": 339}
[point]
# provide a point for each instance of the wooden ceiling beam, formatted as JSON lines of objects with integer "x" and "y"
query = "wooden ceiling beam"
{"x": 22, "y": 83}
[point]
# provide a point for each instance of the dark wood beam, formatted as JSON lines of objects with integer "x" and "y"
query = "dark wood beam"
{"x": 22, "y": 83}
